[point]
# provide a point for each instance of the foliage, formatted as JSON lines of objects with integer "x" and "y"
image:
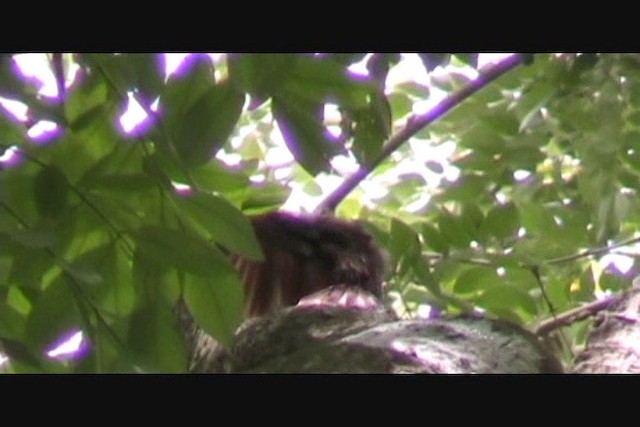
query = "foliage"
{"x": 538, "y": 183}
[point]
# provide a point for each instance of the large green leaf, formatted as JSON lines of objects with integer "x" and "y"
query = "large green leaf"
{"x": 185, "y": 88}
{"x": 12, "y": 322}
{"x": 502, "y": 297}
{"x": 188, "y": 253}
{"x": 154, "y": 340}
{"x": 86, "y": 101}
{"x": 213, "y": 176}
{"x": 224, "y": 222}
{"x": 300, "y": 123}
{"x": 216, "y": 302}
{"x": 54, "y": 314}
{"x": 107, "y": 271}
{"x": 51, "y": 190}
{"x": 261, "y": 74}
{"x": 207, "y": 124}
{"x": 502, "y": 221}
{"x": 404, "y": 245}
{"x": 434, "y": 239}
{"x": 319, "y": 80}
{"x": 452, "y": 231}
{"x": 141, "y": 71}
{"x": 476, "y": 279}
{"x": 267, "y": 197}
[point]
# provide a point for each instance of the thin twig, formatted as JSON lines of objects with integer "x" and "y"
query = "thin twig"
{"x": 414, "y": 125}
{"x": 591, "y": 252}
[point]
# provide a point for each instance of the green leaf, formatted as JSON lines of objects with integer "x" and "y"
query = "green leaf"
{"x": 318, "y": 80}
{"x": 185, "y": 88}
{"x": 586, "y": 286}
{"x": 23, "y": 359}
{"x": 126, "y": 182}
{"x": 13, "y": 133}
{"x": 502, "y": 221}
{"x": 154, "y": 340}
{"x": 224, "y": 222}
{"x": 85, "y": 101}
{"x": 537, "y": 219}
{"x": 424, "y": 276}
{"x": 434, "y": 239}
{"x": 212, "y": 176}
{"x": 347, "y": 58}
{"x": 132, "y": 71}
{"x": 373, "y": 126}
{"x": 476, "y": 279}
{"x": 467, "y": 188}
{"x": 107, "y": 271}
{"x": 34, "y": 239}
{"x": 520, "y": 278}
{"x": 471, "y": 59}
{"x": 612, "y": 281}
{"x": 502, "y": 297}
{"x": 536, "y": 97}
{"x": 261, "y": 75}
{"x": 216, "y": 303}
{"x": 51, "y": 190}
{"x": 11, "y": 85}
{"x": 29, "y": 266}
{"x": 484, "y": 137}
{"x": 404, "y": 243}
{"x": 401, "y": 105}
{"x": 207, "y": 124}
{"x": 452, "y": 231}
{"x": 471, "y": 219}
{"x": 300, "y": 124}
{"x": 265, "y": 197}
{"x": 54, "y": 314}
{"x": 450, "y": 82}
{"x": 406, "y": 186}
{"x": 12, "y": 322}
{"x": 188, "y": 253}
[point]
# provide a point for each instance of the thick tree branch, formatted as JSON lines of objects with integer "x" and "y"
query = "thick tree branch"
{"x": 415, "y": 124}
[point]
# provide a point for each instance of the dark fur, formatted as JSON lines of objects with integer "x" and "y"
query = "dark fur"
{"x": 305, "y": 254}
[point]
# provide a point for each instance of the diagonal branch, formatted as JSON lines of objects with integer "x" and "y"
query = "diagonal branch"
{"x": 415, "y": 124}
{"x": 575, "y": 315}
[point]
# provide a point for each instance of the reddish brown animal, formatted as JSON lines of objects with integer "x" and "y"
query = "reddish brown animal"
{"x": 306, "y": 254}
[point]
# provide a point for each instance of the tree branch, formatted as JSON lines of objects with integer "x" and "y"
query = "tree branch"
{"x": 591, "y": 252}
{"x": 414, "y": 125}
{"x": 58, "y": 72}
{"x": 574, "y": 315}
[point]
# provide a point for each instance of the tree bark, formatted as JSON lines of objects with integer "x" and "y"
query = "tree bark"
{"x": 330, "y": 339}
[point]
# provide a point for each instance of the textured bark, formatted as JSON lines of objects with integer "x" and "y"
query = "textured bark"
{"x": 614, "y": 343}
{"x": 329, "y": 339}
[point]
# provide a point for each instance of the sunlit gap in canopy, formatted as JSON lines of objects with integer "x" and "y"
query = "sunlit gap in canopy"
{"x": 35, "y": 67}
{"x": 70, "y": 346}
